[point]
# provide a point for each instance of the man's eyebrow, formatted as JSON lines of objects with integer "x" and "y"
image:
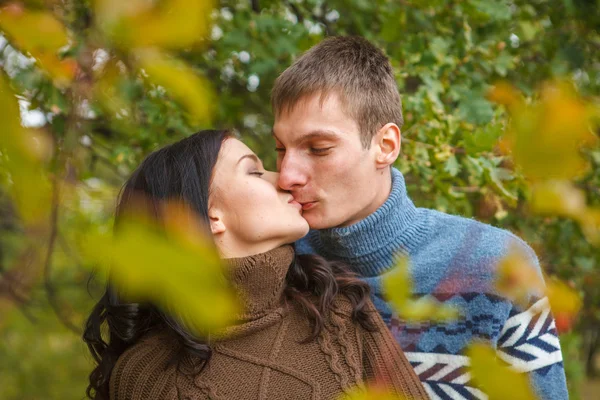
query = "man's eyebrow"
{"x": 315, "y": 134}
{"x": 250, "y": 156}
{"x": 320, "y": 134}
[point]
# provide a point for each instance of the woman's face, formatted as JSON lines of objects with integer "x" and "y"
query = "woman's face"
{"x": 248, "y": 213}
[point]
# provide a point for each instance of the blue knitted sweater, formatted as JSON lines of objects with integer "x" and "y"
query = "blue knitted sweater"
{"x": 453, "y": 259}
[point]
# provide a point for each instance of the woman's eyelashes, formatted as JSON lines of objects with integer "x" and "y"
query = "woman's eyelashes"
{"x": 257, "y": 173}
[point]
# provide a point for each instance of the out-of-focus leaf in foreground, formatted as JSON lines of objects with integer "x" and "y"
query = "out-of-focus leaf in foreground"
{"x": 176, "y": 268}
{"x": 498, "y": 381}
{"x": 23, "y": 153}
{"x": 168, "y": 24}
{"x": 397, "y": 285}
{"x": 180, "y": 82}
{"x": 517, "y": 280}
{"x": 546, "y": 136}
{"x": 40, "y": 34}
{"x": 375, "y": 392}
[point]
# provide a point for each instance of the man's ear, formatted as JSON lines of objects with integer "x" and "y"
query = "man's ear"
{"x": 217, "y": 225}
{"x": 387, "y": 142}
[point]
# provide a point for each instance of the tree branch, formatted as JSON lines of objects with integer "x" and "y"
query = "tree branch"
{"x": 50, "y": 290}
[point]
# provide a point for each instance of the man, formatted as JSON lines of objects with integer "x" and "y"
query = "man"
{"x": 337, "y": 130}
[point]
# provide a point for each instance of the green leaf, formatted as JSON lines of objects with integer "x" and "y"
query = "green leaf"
{"x": 452, "y": 166}
{"x": 474, "y": 108}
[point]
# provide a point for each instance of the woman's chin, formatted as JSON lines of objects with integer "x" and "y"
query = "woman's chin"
{"x": 298, "y": 233}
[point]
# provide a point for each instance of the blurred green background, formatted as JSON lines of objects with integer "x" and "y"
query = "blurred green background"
{"x": 105, "y": 116}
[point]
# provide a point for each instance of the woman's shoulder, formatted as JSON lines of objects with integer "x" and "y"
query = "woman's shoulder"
{"x": 145, "y": 370}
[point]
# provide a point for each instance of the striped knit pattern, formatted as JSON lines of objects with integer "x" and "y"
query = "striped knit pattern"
{"x": 453, "y": 259}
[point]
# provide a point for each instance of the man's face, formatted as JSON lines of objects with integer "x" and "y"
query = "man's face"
{"x": 323, "y": 164}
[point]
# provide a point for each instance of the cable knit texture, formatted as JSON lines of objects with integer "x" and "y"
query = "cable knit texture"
{"x": 261, "y": 357}
{"x": 454, "y": 260}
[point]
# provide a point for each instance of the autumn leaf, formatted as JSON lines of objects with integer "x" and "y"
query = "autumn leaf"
{"x": 398, "y": 288}
{"x": 180, "y": 82}
{"x": 559, "y": 198}
{"x": 555, "y": 127}
{"x": 590, "y": 224}
{"x": 374, "y": 392}
{"x": 504, "y": 93}
{"x": 498, "y": 381}
{"x": 172, "y": 24}
{"x": 177, "y": 269}
{"x": 26, "y": 152}
{"x": 563, "y": 299}
{"x": 40, "y": 34}
{"x": 517, "y": 278}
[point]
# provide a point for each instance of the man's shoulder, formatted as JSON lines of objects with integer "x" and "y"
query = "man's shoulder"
{"x": 481, "y": 240}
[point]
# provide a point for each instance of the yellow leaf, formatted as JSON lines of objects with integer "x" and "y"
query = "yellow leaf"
{"x": 26, "y": 151}
{"x": 372, "y": 393}
{"x": 397, "y": 286}
{"x": 559, "y": 198}
{"x": 108, "y": 94}
{"x": 180, "y": 82}
{"x": 179, "y": 270}
{"x": 590, "y": 224}
{"x": 498, "y": 381}
{"x": 169, "y": 24}
{"x": 563, "y": 299}
{"x": 517, "y": 278}
{"x": 505, "y": 94}
{"x": 41, "y": 35}
{"x": 555, "y": 127}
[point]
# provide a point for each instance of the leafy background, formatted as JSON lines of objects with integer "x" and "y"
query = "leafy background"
{"x": 98, "y": 88}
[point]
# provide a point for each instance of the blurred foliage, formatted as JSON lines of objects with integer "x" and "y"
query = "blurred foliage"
{"x": 101, "y": 83}
{"x": 398, "y": 287}
{"x": 496, "y": 379}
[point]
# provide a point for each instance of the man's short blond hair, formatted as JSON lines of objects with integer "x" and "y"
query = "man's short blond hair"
{"x": 353, "y": 68}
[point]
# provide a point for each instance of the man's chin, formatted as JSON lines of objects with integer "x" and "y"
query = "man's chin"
{"x": 315, "y": 220}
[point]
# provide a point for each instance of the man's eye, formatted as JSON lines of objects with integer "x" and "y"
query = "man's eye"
{"x": 279, "y": 149}
{"x": 321, "y": 150}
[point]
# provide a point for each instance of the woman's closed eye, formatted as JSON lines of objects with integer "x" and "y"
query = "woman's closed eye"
{"x": 257, "y": 173}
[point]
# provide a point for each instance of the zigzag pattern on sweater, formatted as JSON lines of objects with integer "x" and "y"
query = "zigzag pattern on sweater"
{"x": 529, "y": 341}
{"x": 444, "y": 376}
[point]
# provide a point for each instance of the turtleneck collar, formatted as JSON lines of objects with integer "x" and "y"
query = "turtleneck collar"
{"x": 260, "y": 280}
{"x": 396, "y": 225}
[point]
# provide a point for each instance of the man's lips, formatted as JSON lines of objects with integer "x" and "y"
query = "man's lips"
{"x": 308, "y": 205}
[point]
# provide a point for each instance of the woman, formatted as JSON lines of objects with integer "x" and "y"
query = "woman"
{"x": 308, "y": 329}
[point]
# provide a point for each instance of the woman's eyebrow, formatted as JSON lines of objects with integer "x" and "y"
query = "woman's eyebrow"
{"x": 250, "y": 156}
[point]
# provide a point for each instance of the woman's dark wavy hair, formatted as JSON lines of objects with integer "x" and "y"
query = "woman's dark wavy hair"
{"x": 182, "y": 171}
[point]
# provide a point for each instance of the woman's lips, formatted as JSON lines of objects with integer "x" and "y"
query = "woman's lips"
{"x": 308, "y": 206}
{"x": 295, "y": 204}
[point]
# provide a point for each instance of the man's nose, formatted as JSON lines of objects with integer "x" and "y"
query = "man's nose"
{"x": 291, "y": 175}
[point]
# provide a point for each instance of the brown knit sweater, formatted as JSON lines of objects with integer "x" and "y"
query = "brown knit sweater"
{"x": 262, "y": 358}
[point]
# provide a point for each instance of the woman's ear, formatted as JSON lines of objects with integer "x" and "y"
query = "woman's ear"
{"x": 217, "y": 226}
{"x": 388, "y": 141}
